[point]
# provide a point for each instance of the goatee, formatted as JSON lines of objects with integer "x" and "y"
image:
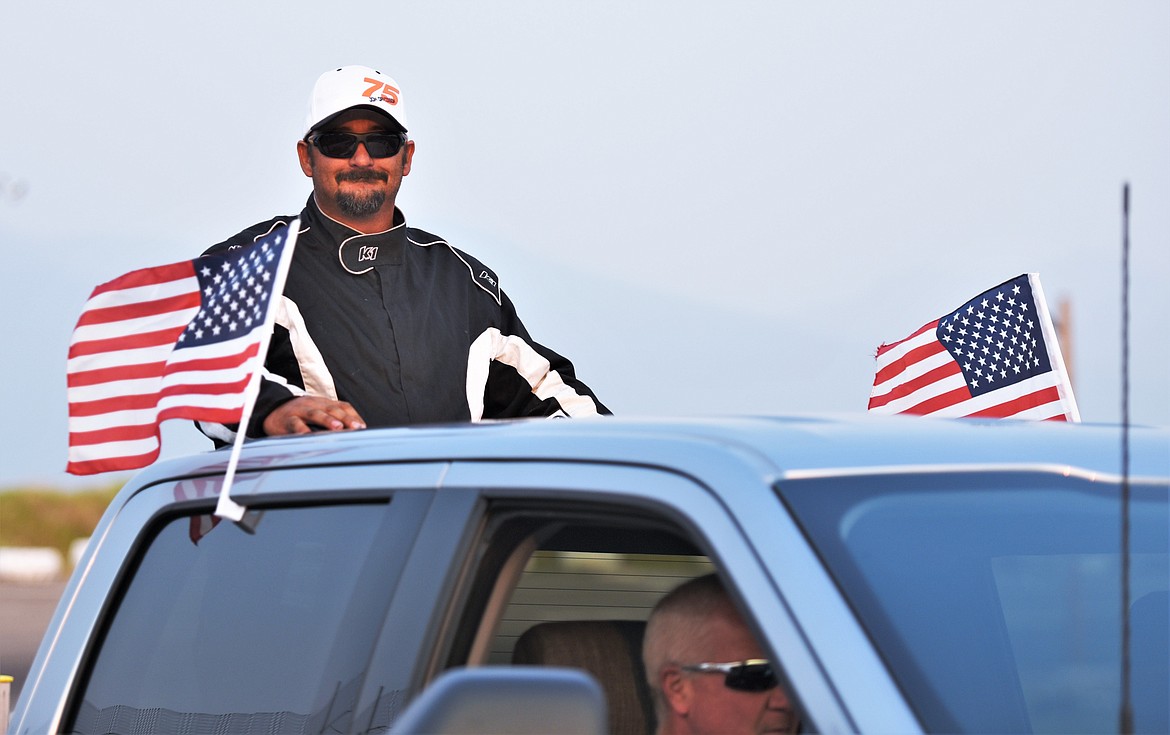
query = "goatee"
{"x": 361, "y": 205}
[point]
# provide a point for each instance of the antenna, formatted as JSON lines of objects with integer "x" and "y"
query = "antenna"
{"x": 1125, "y": 724}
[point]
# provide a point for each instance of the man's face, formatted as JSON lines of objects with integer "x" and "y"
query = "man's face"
{"x": 714, "y": 708}
{"x": 357, "y": 190}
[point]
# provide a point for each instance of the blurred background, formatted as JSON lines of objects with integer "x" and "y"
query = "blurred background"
{"x": 710, "y": 208}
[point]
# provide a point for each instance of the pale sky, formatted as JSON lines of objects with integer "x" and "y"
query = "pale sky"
{"x": 711, "y": 208}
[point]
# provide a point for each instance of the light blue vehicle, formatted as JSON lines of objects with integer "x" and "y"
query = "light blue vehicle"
{"x": 904, "y": 574}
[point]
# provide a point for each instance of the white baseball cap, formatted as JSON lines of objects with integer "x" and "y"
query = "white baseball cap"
{"x": 354, "y": 86}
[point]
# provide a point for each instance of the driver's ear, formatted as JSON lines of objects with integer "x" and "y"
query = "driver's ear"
{"x": 677, "y": 689}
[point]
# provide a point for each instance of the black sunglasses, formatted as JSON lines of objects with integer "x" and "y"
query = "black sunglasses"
{"x": 753, "y": 675}
{"x": 344, "y": 145}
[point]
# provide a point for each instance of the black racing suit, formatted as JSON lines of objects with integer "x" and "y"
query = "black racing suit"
{"x": 404, "y": 327}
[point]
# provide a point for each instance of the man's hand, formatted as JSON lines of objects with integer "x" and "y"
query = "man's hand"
{"x": 304, "y": 413}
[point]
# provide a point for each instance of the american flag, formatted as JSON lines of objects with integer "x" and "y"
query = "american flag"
{"x": 176, "y": 341}
{"x": 996, "y": 356}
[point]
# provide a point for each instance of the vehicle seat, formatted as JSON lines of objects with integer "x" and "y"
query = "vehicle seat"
{"x": 610, "y": 650}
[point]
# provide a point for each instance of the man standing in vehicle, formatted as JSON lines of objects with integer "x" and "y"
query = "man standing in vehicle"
{"x": 707, "y": 672}
{"x": 382, "y": 324}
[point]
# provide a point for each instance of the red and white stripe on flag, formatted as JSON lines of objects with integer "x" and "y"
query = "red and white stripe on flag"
{"x": 176, "y": 341}
{"x": 996, "y": 356}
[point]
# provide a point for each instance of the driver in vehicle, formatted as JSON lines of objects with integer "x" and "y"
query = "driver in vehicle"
{"x": 707, "y": 672}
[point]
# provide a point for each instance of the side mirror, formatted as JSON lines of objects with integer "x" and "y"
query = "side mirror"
{"x": 519, "y": 700}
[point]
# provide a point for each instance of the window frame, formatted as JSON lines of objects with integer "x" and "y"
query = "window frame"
{"x": 684, "y": 503}
{"x": 137, "y": 513}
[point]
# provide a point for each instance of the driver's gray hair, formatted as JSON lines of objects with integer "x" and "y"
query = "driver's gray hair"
{"x": 676, "y": 631}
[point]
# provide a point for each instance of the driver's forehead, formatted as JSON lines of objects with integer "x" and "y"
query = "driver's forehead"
{"x": 729, "y": 639}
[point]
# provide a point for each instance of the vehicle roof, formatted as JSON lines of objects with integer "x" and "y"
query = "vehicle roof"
{"x": 791, "y": 445}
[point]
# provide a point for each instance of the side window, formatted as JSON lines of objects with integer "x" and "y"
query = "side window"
{"x": 226, "y": 630}
{"x": 576, "y": 591}
{"x": 589, "y": 586}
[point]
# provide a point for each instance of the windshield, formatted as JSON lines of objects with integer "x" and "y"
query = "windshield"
{"x": 995, "y": 598}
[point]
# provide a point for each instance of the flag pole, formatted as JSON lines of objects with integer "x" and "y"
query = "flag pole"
{"x": 1055, "y": 354}
{"x": 226, "y": 507}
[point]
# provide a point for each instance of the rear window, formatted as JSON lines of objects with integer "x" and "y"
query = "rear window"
{"x": 996, "y": 599}
{"x": 225, "y": 630}
{"x": 568, "y": 585}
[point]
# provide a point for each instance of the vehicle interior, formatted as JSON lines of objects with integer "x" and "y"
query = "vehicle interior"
{"x": 575, "y": 589}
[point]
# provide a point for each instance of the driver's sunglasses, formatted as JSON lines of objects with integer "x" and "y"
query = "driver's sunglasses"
{"x": 344, "y": 145}
{"x": 753, "y": 675}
